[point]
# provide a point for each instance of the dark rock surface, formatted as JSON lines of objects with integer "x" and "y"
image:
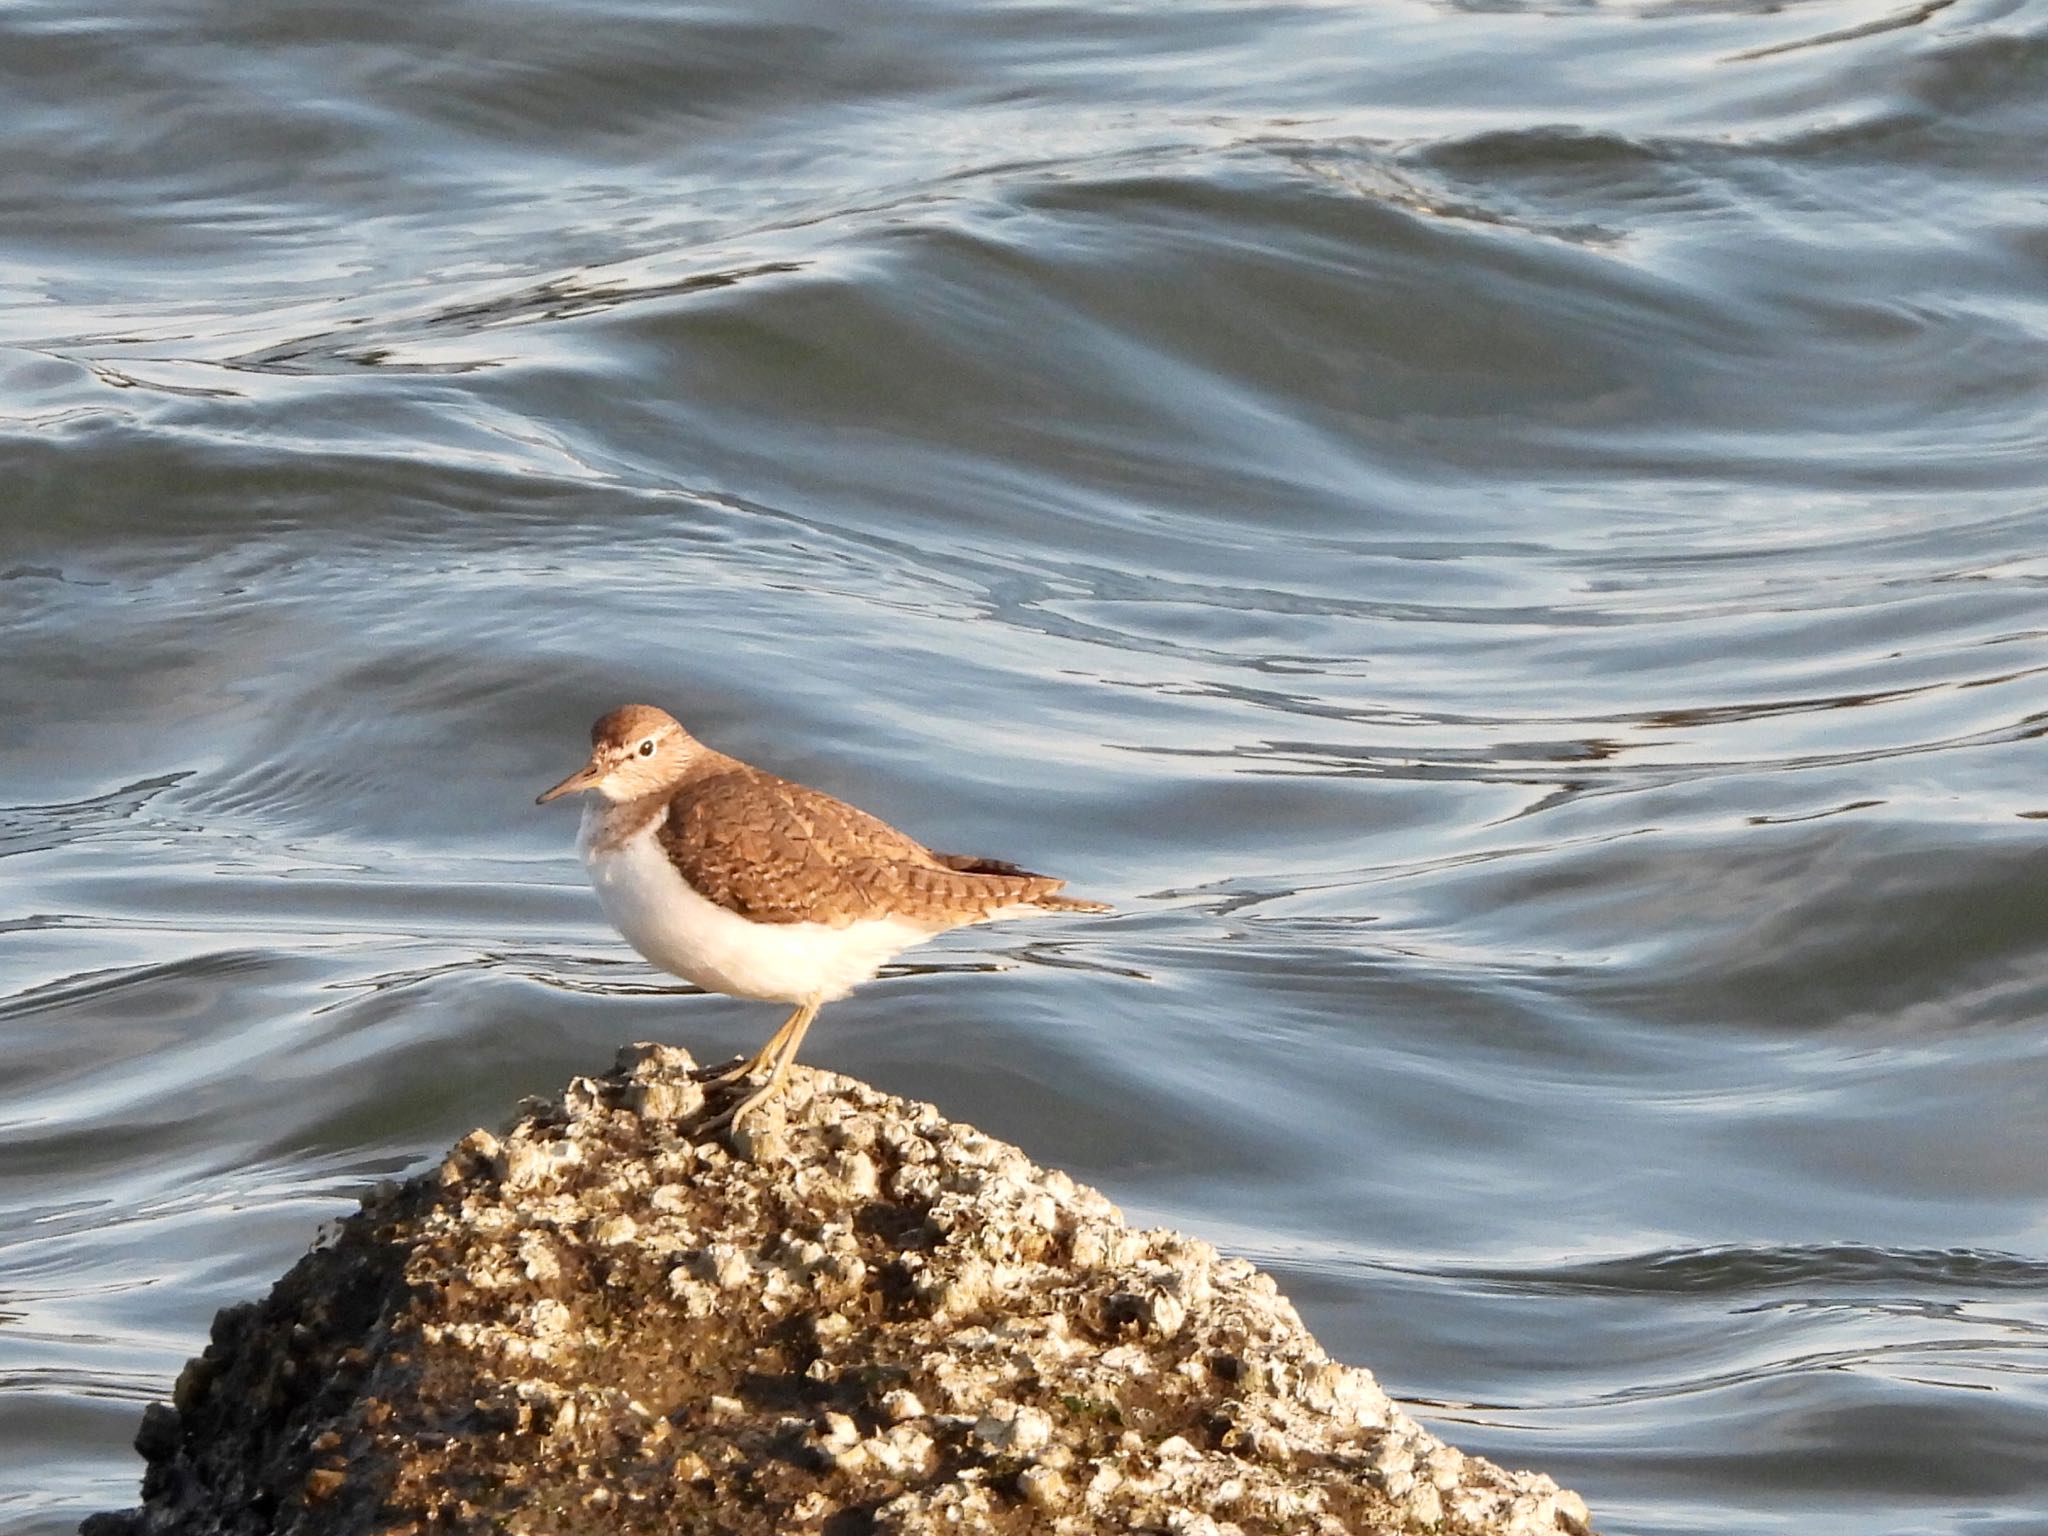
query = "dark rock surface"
{"x": 874, "y": 1321}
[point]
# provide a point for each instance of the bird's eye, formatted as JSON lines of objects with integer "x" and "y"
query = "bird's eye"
{"x": 647, "y": 747}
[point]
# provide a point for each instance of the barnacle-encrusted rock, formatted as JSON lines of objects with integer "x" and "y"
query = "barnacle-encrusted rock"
{"x": 878, "y": 1322}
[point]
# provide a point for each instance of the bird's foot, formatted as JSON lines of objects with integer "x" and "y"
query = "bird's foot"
{"x": 733, "y": 1117}
{"x": 738, "y": 1070}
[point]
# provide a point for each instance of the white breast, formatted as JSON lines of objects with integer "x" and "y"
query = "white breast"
{"x": 700, "y": 941}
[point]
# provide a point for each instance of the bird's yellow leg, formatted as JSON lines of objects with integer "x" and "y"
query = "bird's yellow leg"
{"x": 799, "y": 1023}
{"x": 760, "y": 1058}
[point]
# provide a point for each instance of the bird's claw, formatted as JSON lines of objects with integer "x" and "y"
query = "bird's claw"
{"x": 738, "y": 1070}
{"x": 728, "y": 1119}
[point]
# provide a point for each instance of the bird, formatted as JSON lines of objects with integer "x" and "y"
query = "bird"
{"x": 752, "y": 885}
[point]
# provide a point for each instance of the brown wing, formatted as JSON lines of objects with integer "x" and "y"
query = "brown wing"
{"x": 778, "y": 852}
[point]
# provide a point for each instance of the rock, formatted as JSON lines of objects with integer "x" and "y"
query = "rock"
{"x": 877, "y": 1321}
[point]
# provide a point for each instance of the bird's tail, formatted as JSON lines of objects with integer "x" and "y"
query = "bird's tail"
{"x": 1046, "y": 898}
{"x": 1052, "y": 901}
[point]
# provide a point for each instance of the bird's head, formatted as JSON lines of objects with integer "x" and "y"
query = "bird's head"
{"x": 636, "y": 750}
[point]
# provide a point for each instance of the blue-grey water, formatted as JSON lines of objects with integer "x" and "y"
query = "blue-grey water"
{"x": 1510, "y": 539}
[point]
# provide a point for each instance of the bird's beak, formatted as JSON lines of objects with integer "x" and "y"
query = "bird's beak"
{"x": 583, "y": 778}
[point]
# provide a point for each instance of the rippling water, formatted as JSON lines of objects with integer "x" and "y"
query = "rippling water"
{"x": 1508, "y": 538}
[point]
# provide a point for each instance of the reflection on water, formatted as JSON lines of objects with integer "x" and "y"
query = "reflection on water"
{"x": 1505, "y": 538}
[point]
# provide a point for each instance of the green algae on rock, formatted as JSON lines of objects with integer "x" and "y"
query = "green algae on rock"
{"x": 876, "y": 1321}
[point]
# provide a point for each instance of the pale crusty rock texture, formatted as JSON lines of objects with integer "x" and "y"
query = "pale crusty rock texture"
{"x": 873, "y": 1321}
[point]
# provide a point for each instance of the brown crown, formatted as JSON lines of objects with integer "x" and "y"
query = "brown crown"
{"x": 628, "y": 723}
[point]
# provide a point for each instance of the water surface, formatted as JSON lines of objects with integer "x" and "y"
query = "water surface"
{"x": 1506, "y": 538}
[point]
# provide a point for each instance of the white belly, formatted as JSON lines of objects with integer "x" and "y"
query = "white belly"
{"x": 702, "y": 942}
